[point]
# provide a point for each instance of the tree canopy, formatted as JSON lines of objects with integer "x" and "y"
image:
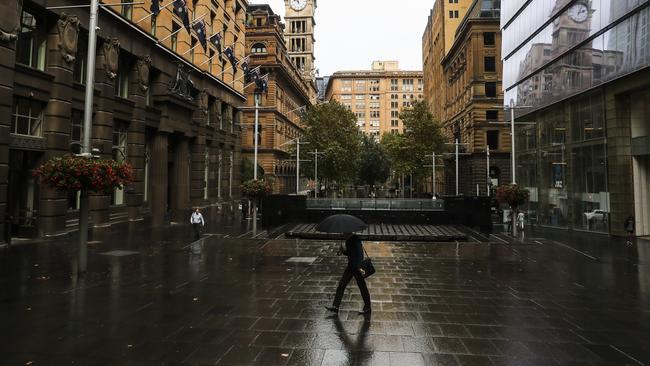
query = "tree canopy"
{"x": 422, "y": 136}
{"x": 374, "y": 166}
{"x": 331, "y": 129}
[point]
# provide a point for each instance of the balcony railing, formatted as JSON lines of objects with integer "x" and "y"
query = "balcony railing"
{"x": 375, "y": 204}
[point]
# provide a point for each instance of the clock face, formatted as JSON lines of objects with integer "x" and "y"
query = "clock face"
{"x": 298, "y": 4}
{"x": 579, "y": 12}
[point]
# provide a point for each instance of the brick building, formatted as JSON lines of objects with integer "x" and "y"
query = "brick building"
{"x": 162, "y": 103}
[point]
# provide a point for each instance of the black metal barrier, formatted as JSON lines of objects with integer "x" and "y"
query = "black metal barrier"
{"x": 473, "y": 212}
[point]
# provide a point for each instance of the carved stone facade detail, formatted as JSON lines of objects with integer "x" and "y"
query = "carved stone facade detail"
{"x": 111, "y": 57}
{"x": 68, "y": 26}
{"x": 202, "y": 99}
{"x": 143, "y": 67}
{"x": 181, "y": 85}
{"x": 11, "y": 12}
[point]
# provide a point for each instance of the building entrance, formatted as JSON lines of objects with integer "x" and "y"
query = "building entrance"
{"x": 22, "y": 193}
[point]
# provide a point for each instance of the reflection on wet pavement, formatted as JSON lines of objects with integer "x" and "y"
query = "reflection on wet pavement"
{"x": 234, "y": 298}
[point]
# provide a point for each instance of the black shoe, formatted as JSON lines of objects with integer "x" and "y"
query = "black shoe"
{"x": 365, "y": 311}
{"x": 333, "y": 309}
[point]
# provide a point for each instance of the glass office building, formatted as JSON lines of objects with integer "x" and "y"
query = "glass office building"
{"x": 578, "y": 72}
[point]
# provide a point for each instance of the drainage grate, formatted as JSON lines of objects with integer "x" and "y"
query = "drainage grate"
{"x": 307, "y": 260}
{"x": 119, "y": 253}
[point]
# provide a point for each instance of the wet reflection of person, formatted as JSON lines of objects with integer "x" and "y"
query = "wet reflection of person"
{"x": 360, "y": 358}
{"x": 354, "y": 251}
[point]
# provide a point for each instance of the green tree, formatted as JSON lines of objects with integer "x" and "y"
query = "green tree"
{"x": 374, "y": 166}
{"x": 247, "y": 170}
{"x": 331, "y": 129}
{"x": 422, "y": 135}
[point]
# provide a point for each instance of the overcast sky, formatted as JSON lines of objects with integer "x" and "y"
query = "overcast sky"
{"x": 350, "y": 34}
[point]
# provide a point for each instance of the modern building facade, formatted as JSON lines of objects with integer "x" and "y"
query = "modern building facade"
{"x": 578, "y": 70}
{"x": 472, "y": 72}
{"x": 376, "y": 96}
{"x": 288, "y": 95}
{"x": 162, "y": 102}
{"x": 299, "y": 34}
{"x": 437, "y": 40}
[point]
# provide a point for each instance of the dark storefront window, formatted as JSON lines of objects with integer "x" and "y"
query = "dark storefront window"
{"x": 493, "y": 139}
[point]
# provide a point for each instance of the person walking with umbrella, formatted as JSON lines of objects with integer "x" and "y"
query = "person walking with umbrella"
{"x": 353, "y": 249}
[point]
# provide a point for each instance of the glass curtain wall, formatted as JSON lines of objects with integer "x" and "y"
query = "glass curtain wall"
{"x": 566, "y": 172}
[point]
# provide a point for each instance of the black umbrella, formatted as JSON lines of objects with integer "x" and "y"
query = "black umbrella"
{"x": 341, "y": 223}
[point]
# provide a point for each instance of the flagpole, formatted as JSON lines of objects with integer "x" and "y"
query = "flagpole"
{"x": 190, "y": 50}
{"x": 180, "y": 29}
{"x": 251, "y": 83}
{"x": 150, "y": 14}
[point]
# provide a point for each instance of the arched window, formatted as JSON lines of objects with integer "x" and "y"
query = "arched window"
{"x": 258, "y": 48}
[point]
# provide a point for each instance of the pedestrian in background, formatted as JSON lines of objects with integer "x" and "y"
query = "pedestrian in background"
{"x": 521, "y": 219}
{"x": 354, "y": 251}
{"x": 629, "y": 227}
{"x": 197, "y": 223}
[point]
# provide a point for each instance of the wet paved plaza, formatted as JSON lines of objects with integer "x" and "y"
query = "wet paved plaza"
{"x": 233, "y": 299}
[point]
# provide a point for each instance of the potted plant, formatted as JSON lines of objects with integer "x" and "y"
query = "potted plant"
{"x": 514, "y": 196}
{"x": 72, "y": 172}
{"x": 256, "y": 190}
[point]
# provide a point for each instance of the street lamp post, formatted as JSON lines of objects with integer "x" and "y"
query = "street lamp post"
{"x": 316, "y": 153}
{"x": 457, "y": 153}
{"x": 257, "y": 97}
{"x": 512, "y": 141}
{"x": 86, "y": 149}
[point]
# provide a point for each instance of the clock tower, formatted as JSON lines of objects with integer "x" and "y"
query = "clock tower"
{"x": 299, "y": 35}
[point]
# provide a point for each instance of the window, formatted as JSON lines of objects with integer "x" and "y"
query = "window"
{"x": 491, "y": 89}
{"x": 360, "y": 105}
{"x": 359, "y": 85}
{"x": 407, "y": 85}
{"x": 122, "y": 81}
{"x": 79, "y": 68}
{"x": 258, "y": 48}
{"x": 394, "y": 114}
{"x": 346, "y": 97}
{"x": 374, "y": 85}
{"x": 119, "y": 154}
{"x": 374, "y": 114}
{"x": 393, "y": 84}
{"x": 394, "y": 105}
{"x": 488, "y": 39}
{"x": 360, "y": 115}
{"x": 192, "y": 49}
{"x": 27, "y": 118}
{"x": 491, "y": 115}
{"x": 394, "y": 123}
{"x": 127, "y": 9}
{"x": 374, "y": 105}
{"x": 489, "y": 64}
{"x": 453, "y": 1}
{"x": 492, "y": 138}
{"x": 76, "y": 131}
{"x": 455, "y": 13}
{"x": 374, "y": 123}
{"x": 30, "y": 46}
{"x": 174, "y": 38}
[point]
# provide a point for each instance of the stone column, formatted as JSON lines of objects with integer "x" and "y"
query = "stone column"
{"x": 7, "y": 65}
{"x": 138, "y": 87}
{"x": 181, "y": 192}
{"x": 102, "y": 135}
{"x": 159, "y": 170}
{"x": 198, "y": 149}
{"x": 61, "y": 55}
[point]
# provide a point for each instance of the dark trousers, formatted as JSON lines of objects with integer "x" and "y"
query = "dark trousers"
{"x": 343, "y": 283}
{"x": 196, "y": 229}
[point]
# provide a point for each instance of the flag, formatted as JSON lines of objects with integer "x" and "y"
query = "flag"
{"x": 254, "y": 75}
{"x": 263, "y": 84}
{"x": 230, "y": 53}
{"x": 245, "y": 67}
{"x": 199, "y": 27}
{"x": 180, "y": 8}
{"x": 155, "y": 7}
{"x": 215, "y": 39}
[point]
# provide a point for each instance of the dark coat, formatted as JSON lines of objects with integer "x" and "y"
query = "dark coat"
{"x": 354, "y": 252}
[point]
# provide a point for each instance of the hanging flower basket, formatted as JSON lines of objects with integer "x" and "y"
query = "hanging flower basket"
{"x": 71, "y": 173}
{"x": 256, "y": 189}
{"x": 512, "y": 194}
